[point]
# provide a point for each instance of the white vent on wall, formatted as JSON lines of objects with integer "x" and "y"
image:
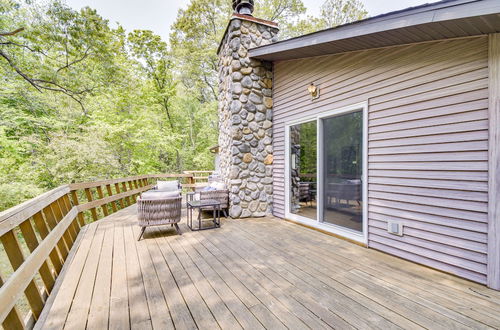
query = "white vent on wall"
{"x": 395, "y": 228}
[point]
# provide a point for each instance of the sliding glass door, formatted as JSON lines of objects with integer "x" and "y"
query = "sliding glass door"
{"x": 342, "y": 158}
{"x": 326, "y": 171}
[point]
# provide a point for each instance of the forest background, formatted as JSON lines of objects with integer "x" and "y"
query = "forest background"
{"x": 81, "y": 100}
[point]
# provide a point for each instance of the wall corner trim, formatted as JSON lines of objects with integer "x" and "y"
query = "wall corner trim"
{"x": 493, "y": 275}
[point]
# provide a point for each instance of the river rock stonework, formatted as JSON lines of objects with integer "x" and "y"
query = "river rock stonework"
{"x": 245, "y": 117}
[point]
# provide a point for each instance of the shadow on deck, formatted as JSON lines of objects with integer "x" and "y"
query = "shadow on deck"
{"x": 257, "y": 273}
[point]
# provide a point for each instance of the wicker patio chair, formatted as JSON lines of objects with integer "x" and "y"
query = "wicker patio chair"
{"x": 222, "y": 196}
{"x": 158, "y": 212}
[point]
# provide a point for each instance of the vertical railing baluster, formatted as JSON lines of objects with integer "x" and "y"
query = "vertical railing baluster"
{"x": 137, "y": 186}
{"x": 32, "y": 243}
{"x": 88, "y": 193}
{"x": 110, "y": 193}
{"x": 13, "y": 319}
{"x": 124, "y": 188}
{"x": 16, "y": 258}
{"x": 117, "y": 187}
{"x": 131, "y": 188}
{"x": 81, "y": 219}
{"x": 104, "y": 207}
{"x": 60, "y": 211}
{"x": 43, "y": 231}
{"x": 65, "y": 206}
{"x": 63, "y": 245}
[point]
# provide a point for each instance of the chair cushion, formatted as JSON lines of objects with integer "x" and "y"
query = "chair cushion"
{"x": 218, "y": 185}
{"x": 167, "y": 185}
{"x": 159, "y": 194}
{"x": 209, "y": 188}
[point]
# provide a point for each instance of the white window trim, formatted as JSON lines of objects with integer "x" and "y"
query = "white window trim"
{"x": 341, "y": 231}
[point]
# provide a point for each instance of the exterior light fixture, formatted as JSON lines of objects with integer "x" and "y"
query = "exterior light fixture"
{"x": 314, "y": 91}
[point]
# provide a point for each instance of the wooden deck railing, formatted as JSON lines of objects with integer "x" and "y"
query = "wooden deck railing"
{"x": 37, "y": 236}
{"x": 198, "y": 178}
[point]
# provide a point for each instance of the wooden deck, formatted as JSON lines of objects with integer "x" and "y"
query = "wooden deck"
{"x": 254, "y": 274}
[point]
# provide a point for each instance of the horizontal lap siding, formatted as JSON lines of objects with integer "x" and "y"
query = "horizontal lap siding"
{"x": 428, "y": 143}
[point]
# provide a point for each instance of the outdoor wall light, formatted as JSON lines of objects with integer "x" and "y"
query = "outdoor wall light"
{"x": 314, "y": 91}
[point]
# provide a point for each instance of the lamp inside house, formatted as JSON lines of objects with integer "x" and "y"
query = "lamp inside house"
{"x": 313, "y": 90}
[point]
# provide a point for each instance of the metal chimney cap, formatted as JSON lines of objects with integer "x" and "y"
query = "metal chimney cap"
{"x": 244, "y": 7}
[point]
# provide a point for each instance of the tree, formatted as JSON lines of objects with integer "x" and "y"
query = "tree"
{"x": 195, "y": 36}
{"x": 197, "y": 32}
{"x": 83, "y": 101}
{"x": 288, "y": 14}
{"x": 153, "y": 57}
{"x": 47, "y": 46}
{"x": 337, "y": 12}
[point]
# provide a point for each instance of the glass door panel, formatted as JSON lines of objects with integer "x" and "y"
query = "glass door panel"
{"x": 303, "y": 185}
{"x": 342, "y": 158}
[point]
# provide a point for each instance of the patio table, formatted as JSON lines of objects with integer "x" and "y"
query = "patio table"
{"x": 201, "y": 205}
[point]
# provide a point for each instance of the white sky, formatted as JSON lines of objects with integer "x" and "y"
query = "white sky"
{"x": 158, "y": 15}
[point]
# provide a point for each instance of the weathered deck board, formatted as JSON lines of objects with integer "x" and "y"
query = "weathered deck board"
{"x": 258, "y": 273}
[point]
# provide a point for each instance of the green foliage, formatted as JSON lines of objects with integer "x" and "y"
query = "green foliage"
{"x": 81, "y": 101}
{"x": 308, "y": 146}
{"x": 195, "y": 36}
{"x": 337, "y": 12}
{"x": 198, "y": 29}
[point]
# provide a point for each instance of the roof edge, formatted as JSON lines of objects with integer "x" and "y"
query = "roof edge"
{"x": 426, "y": 13}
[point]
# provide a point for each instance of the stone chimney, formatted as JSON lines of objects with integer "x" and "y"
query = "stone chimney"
{"x": 245, "y": 113}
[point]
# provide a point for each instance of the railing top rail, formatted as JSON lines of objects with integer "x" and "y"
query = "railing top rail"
{"x": 12, "y": 217}
{"x": 198, "y": 171}
{"x": 182, "y": 175}
{"x": 92, "y": 184}
{"x": 108, "y": 199}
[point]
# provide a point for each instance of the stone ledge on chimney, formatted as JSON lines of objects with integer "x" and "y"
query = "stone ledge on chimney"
{"x": 255, "y": 19}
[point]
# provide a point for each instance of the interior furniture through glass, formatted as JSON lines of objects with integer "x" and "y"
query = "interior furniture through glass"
{"x": 342, "y": 158}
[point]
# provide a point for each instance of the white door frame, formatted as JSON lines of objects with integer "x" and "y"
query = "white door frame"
{"x": 338, "y": 230}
